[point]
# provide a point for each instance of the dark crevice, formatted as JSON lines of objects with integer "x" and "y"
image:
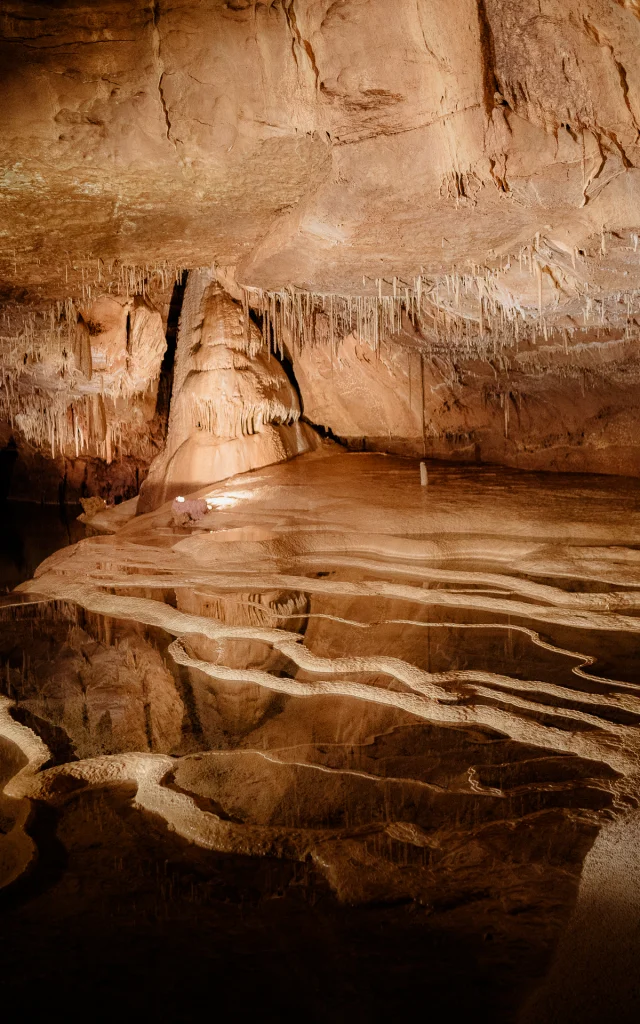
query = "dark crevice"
{"x": 155, "y": 15}
{"x": 191, "y": 721}
{"x": 165, "y": 383}
{"x": 8, "y": 457}
{"x": 49, "y": 865}
{"x": 53, "y": 736}
{"x": 303, "y": 43}
{"x": 203, "y": 803}
{"x": 165, "y": 110}
{"x": 487, "y": 46}
{"x": 287, "y": 365}
{"x": 624, "y": 85}
{"x": 328, "y": 434}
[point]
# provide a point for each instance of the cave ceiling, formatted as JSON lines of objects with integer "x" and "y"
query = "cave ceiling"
{"x": 325, "y": 145}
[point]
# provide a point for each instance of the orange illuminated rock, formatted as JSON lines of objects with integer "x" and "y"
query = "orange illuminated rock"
{"x": 233, "y": 407}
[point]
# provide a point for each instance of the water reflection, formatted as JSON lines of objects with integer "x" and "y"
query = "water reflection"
{"x": 435, "y": 722}
{"x": 30, "y": 533}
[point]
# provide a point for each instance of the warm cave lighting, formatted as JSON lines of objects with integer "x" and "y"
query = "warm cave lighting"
{"x": 320, "y": 510}
{"x": 223, "y": 501}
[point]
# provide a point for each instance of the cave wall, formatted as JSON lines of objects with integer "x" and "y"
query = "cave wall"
{"x": 29, "y": 474}
{"x": 554, "y": 407}
{"x": 307, "y": 140}
{"x": 483, "y": 155}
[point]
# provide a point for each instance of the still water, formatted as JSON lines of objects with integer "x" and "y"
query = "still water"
{"x": 341, "y": 749}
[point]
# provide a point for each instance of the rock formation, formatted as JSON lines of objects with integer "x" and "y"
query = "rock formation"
{"x": 335, "y": 735}
{"x": 82, "y": 388}
{"x": 232, "y": 407}
{"x": 567, "y": 407}
{"x": 408, "y": 699}
{"x": 467, "y": 193}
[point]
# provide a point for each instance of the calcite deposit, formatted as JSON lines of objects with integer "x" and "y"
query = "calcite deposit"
{"x": 328, "y": 312}
{"x": 422, "y": 702}
{"x": 461, "y": 175}
{"x": 232, "y": 407}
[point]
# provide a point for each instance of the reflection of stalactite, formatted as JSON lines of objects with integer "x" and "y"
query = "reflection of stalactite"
{"x": 510, "y": 705}
{"x": 246, "y": 609}
{"x": 498, "y": 701}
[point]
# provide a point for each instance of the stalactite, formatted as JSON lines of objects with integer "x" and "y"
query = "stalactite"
{"x": 49, "y": 390}
{"x": 469, "y": 312}
{"x": 46, "y": 368}
{"x": 228, "y": 419}
{"x": 444, "y": 330}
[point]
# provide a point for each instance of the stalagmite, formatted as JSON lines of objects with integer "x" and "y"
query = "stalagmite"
{"x": 232, "y": 406}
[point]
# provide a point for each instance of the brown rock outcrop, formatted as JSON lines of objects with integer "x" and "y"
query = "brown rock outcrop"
{"x": 479, "y": 168}
{"x": 288, "y": 137}
{"x": 232, "y": 408}
{"x": 557, "y": 406}
{"x": 324, "y": 737}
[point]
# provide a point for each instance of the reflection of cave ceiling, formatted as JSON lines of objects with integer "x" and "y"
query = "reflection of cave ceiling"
{"x": 312, "y": 142}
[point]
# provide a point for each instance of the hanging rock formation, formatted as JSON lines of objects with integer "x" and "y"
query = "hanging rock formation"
{"x": 321, "y": 736}
{"x": 567, "y": 407}
{"x": 79, "y": 395}
{"x": 477, "y": 176}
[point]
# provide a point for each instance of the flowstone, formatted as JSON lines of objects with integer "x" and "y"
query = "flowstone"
{"x": 233, "y": 407}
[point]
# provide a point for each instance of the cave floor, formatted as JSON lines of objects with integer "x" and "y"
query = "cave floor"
{"x": 342, "y": 748}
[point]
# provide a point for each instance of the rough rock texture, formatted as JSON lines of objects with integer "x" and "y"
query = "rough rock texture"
{"x": 98, "y": 696}
{"x": 360, "y": 395}
{"x": 560, "y": 407}
{"x": 328, "y": 741}
{"x": 79, "y": 408}
{"x": 313, "y": 141}
{"x": 233, "y": 407}
{"x": 209, "y": 121}
{"x": 482, "y": 155}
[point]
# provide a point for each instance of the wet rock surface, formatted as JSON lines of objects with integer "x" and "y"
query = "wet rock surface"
{"x": 311, "y": 738}
{"x": 363, "y": 761}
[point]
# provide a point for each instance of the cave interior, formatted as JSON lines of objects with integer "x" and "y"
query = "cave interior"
{"x": 320, "y": 325}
